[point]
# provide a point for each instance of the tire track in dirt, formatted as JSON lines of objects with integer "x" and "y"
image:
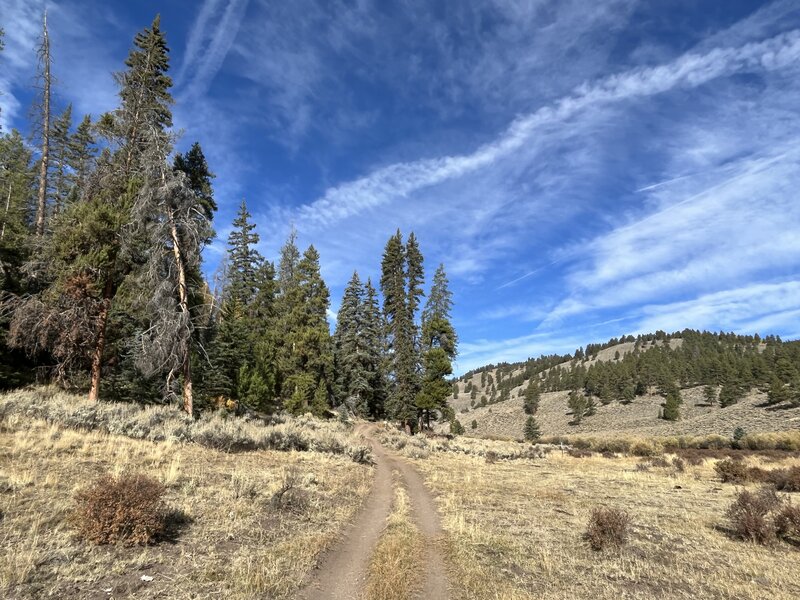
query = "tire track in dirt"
{"x": 342, "y": 572}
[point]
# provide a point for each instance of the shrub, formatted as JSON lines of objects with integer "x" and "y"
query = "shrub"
{"x": 608, "y": 527}
{"x": 750, "y": 515}
{"x": 128, "y": 509}
{"x": 732, "y": 471}
{"x": 642, "y": 448}
{"x": 785, "y": 480}
{"x": 491, "y": 457}
{"x": 679, "y": 464}
{"x": 787, "y": 521}
{"x": 289, "y": 497}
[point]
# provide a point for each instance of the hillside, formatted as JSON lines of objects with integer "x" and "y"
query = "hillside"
{"x": 627, "y": 380}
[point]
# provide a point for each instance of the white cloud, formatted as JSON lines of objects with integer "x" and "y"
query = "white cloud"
{"x": 402, "y": 179}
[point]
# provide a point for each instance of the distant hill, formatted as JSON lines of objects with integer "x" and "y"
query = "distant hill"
{"x": 755, "y": 383}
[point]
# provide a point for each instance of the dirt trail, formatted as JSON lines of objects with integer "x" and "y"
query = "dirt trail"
{"x": 342, "y": 573}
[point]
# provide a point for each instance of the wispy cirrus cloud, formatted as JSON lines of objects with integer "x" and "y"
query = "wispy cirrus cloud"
{"x": 690, "y": 70}
{"x": 210, "y": 39}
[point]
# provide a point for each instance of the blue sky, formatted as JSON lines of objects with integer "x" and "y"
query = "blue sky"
{"x": 583, "y": 170}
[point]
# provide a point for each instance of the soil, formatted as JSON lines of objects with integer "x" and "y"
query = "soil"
{"x": 342, "y": 571}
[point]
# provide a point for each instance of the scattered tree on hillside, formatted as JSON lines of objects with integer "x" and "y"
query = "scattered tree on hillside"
{"x": 531, "y": 430}
{"x": 532, "y": 395}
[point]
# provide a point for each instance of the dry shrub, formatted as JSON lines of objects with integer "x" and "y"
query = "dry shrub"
{"x": 642, "y": 448}
{"x": 128, "y": 509}
{"x": 732, "y": 471}
{"x": 579, "y": 453}
{"x": 289, "y": 497}
{"x": 608, "y": 527}
{"x": 785, "y": 480}
{"x": 491, "y": 457}
{"x": 679, "y": 464}
{"x": 787, "y": 521}
{"x": 751, "y": 515}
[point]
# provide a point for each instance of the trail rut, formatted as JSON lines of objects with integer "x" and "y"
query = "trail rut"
{"x": 342, "y": 572}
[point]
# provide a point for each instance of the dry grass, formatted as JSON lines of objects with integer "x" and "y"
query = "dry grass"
{"x": 158, "y": 423}
{"x": 226, "y": 538}
{"x": 515, "y": 530}
{"x": 397, "y": 559}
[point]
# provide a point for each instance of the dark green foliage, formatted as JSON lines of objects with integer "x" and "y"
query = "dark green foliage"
{"x": 739, "y": 433}
{"x": 710, "y": 394}
{"x": 474, "y": 424}
{"x": 401, "y": 278}
{"x": 532, "y": 395}
{"x": 456, "y": 428}
{"x": 358, "y": 350}
{"x": 672, "y": 404}
{"x": 304, "y": 350}
{"x": 531, "y": 430}
{"x": 730, "y": 394}
{"x": 439, "y": 348}
{"x": 578, "y": 404}
{"x": 778, "y": 392}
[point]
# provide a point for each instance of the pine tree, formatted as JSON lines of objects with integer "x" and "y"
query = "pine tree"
{"x": 243, "y": 258}
{"x": 86, "y": 260}
{"x": 374, "y": 345}
{"x": 439, "y": 346}
{"x": 531, "y": 431}
{"x": 400, "y": 333}
{"x": 778, "y": 392}
{"x": 672, "y": 405}
{"x": 532, "y": 395}
{"x": 578, "y": 404}
{"x": 81, "y": 156}
{"x": 306, "y": 367}
{"x": 351, "y": 377}
{"x": 710, "y": 394}
{"x": 60, "y": 150}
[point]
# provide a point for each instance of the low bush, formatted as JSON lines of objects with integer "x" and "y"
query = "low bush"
{"x": 785, "y": 480}
{"x": 608, "y": 527}
{"x": 128, "y": 509}
{"x": 732, "y": 471}
{"x": 752, "y": 515}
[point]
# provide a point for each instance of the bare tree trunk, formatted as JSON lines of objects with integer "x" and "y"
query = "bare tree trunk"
{"x": 5, "y": 214}
{"x": 100, "y": 342}
{"x": 183, "y": 302}
{"x": 42, "y": 200}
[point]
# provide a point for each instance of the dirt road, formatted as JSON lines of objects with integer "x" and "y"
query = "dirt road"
{"x": 342, "y": 572}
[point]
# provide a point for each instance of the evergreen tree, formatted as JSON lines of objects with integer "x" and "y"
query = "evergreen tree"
{"x": 710, "y": 394}
{"x": 60, "y": 154}
{"x": 578, "y": 404}
{"x": 351, "y": 377}
{"x": 83, "y": 265}
{"x": 439, "y": 348}
{"x": 532, "y": 395}
{"x": 401, "y": 332}
{"x": 307, "y": 358}
{"x": 730, "y": 394}
{"x": 672, "y": 405}
{"x": 244, "y": 261}
{"x": 531, "y": 431}
{"x": 80, "y": 156}
{"x": 456, "y": 428}
{"x": 778, "y": 392}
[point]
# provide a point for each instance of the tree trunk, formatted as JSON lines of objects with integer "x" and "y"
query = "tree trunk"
{"x": 183, "y": 302}
{"x": 5, "y": 214}
{"x": 42, "y": 199}
{"x": 100, "y": 342}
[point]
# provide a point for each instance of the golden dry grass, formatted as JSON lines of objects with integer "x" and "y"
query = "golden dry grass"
{"x": 235, "y": 544}
{"x": 515, "y": 530}
{"x": 397, "y": 559}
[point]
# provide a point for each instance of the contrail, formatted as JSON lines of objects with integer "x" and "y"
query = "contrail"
{"x": 660, "y": 183}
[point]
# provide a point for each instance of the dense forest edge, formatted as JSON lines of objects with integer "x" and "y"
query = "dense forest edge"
{"x": 103, "y": 292}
